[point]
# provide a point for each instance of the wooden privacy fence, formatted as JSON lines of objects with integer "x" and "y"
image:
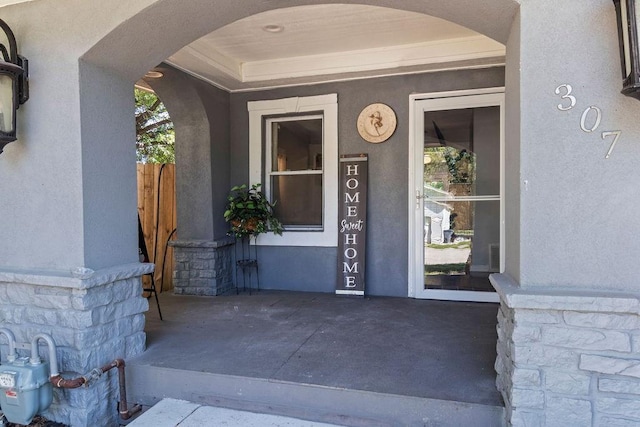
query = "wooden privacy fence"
{"x": 157, "y": 210}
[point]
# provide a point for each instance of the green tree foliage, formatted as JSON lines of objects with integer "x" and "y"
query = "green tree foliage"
{"x": 155, "y": 136}
{"x": 459, "y": 165}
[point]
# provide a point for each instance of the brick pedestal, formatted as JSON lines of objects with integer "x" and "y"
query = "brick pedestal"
{"x": 568, "y": 357}
{"x": 93, "y": 320}
{"x": 202, "y": 267}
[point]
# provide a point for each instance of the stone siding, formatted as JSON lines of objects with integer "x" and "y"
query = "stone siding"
{"x": 202, "y": 267}
{"x": 568, "y": 359}
{"x": 92, "y": 320}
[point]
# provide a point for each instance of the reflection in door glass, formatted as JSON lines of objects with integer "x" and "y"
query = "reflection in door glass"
{"x": 461, "y": 244}
{"x": 461, "y": 198}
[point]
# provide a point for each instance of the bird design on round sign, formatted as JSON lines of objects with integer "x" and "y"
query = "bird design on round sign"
{"x": 376, "y": 123}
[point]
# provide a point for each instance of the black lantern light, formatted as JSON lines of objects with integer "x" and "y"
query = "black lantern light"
{"x": 14, "y": 86}
{"x": 628, "y": 39}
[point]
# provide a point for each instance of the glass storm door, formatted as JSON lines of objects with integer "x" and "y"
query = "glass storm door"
{"x": 457, "y": 208}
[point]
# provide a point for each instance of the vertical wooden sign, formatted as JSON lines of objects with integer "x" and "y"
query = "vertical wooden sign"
{"x": 352, "y": 224}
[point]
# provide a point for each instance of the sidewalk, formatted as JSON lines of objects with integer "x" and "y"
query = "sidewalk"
{"x": 172, "y": 413}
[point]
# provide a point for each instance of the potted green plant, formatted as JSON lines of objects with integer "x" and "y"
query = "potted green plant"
{"x": 250, "y": 213}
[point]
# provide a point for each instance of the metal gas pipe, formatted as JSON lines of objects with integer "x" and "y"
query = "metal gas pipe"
{"x": 59, "y": 382}
{"x": 11, "y": 357}
{"x": 24, "y": 379}
{"x": 123, "y": 410}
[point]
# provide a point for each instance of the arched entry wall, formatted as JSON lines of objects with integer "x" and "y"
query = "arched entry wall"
{"x": 163, "y": 25}
{"x": 200, "y": 113}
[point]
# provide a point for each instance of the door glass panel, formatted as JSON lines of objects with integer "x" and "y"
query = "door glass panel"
{"x": 461, "y": 198}
{"x": 461, "y": 244}
{"x": 462, "y": 151}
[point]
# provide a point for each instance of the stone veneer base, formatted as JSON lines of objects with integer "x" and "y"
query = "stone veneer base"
{"x": 568, "y": 357}
{"x": 94, "y": 318}
{"x": 202, "y": 267}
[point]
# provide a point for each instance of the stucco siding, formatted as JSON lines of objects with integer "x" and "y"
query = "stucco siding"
{"x": 387, "y": 235}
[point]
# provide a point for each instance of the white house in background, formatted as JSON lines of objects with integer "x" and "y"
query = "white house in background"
{"x": 436, "y": 214}
{"x": 532, "y": 87}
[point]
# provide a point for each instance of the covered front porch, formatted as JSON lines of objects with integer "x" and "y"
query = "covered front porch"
{"x": 371, "y": 361}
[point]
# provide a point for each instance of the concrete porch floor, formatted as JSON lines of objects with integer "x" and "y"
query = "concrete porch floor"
{"x": 397, "y": 346}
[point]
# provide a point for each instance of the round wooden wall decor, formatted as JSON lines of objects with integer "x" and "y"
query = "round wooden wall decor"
{"x": 376, "y": 123}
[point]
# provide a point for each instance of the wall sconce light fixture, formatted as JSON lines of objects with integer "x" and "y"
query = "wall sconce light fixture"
{"x": 627, "y": 18}
{"x": 14, "y": 86}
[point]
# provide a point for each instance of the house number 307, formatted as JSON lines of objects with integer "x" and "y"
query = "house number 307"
{"x": 591, "y": 116}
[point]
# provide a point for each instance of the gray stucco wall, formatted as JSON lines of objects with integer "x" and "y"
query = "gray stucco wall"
{"x": 512, "y": 155}
{"x": 216, "y": 103}
{"x": 201, "y": 116}
{"x": 586, "y": 236}
{"x": 314, "y": 269}
{"x": 107, "y": 198}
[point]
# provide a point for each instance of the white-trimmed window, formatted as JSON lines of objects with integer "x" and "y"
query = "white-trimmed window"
{"x": 293, "y": 152}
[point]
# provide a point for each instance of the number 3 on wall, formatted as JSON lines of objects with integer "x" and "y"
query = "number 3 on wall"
{"x": 565, "y": 90}
{"x": 567, "y": 95}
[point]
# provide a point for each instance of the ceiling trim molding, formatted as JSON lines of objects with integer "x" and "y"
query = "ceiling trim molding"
{"x": 198, "y": 75}
{"x": 442, "y": 51}
{"x": 213, "y": 58}
{"x": 492, "y": 63}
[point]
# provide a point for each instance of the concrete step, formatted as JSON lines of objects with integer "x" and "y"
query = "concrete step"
{"x": 148, "y": 385}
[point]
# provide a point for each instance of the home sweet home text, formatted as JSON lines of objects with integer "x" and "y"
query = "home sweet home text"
{"x": 352, "y": 224}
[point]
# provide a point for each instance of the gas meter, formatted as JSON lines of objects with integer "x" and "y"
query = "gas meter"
{"x": 25, "y": 389}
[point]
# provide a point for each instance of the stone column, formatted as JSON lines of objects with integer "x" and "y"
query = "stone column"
{"x": 202, "y": 267}
{"x": 568, "y": 357}
{"x": 93, "y": 318}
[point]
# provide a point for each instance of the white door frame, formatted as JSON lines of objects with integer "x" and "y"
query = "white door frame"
{"x": 418, "y": 103}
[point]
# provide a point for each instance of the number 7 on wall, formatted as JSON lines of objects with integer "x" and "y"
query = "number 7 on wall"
{"x": 616, "y": 135}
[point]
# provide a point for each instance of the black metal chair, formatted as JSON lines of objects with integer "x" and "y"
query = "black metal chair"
{"x": 142, "y": 248}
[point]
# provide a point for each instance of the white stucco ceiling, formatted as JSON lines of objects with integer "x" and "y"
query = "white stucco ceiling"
{"x": 329, "y": 42}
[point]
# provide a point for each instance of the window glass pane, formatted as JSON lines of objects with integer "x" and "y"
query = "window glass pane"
{"x": 6, "y": 103}
{"x": 625, "y": 38}
{"x": 297, "y": 145}
{"x": 298, "y": 199}
{"x": 462, "y": 152}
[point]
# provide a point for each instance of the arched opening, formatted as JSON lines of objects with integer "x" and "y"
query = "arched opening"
{"x": 124, "y": 61}
{"x": 212, "y": 160}
{"x": 191, "y": 106}
{"x": 155, "y": 155}
{"x": 112, "y": 44}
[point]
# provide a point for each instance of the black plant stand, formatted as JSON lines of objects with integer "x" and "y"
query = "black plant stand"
{"x": 246, "y": 262}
